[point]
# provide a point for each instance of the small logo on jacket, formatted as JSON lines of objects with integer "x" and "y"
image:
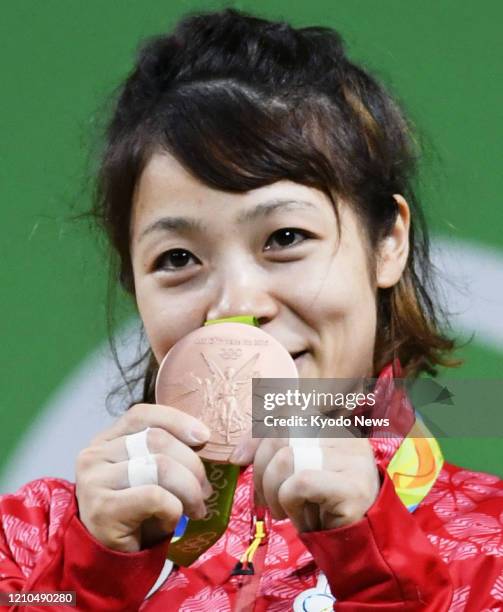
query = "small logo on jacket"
{"x": 317, "y": 599}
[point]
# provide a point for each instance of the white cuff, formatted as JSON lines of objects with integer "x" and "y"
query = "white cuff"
{"x": 307, "y": 454}
{"x": 142, "y": 471}
{"x": 136, "y": 444}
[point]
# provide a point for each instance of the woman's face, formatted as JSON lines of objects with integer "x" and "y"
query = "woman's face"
{"x": 275, "y": 252}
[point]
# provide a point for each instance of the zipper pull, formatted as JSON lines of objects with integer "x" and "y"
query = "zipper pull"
{"x": 244, "y": 567}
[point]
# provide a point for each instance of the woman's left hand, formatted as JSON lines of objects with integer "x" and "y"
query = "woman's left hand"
{"x": 338, "y": 494}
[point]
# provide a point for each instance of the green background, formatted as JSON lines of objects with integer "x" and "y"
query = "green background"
{"x": 60, "y": 61}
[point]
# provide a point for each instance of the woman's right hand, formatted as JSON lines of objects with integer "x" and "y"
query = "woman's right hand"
{"x": 128, "y": 518}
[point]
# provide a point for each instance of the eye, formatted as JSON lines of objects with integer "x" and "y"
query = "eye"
{"x": 175, "y": 259}
{"x": 285, "y": 238}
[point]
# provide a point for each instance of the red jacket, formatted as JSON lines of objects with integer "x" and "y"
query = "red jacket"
{"x": 447, "y": 555}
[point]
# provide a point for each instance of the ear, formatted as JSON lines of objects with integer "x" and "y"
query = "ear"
{"x": 394, "y": 248}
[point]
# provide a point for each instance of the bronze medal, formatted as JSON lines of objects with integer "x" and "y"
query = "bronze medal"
{"x": 209, "y": 373}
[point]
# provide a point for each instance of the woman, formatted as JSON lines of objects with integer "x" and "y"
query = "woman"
{"x": 251, "y": 168}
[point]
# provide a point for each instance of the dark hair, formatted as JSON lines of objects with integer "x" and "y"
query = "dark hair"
{"x": 243, "y": 102}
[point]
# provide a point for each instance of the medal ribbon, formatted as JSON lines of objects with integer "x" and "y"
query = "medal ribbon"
{"x": 416, "y": 465}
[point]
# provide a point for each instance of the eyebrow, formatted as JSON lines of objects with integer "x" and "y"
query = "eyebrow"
{"x": 267, "y": 208}
{"x": 189, "y": 224}
{"x": 173, "y": 224}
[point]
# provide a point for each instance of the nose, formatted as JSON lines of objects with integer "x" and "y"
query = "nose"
{"x": 241, "y": 290}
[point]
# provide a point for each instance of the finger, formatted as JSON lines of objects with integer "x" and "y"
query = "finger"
{"x": 277, "y": 471}
{"x": 325, "y": 489}
{"x": 183, "y": 426}
{"x": 341, "y": 454}
{"x": 146, "y": 502}
{"x": 172, "y": 476}
{"x": 266, "y": 450}
{"x": 159, "y": 441}
{"x": 180, "y": 481}
{"x": 347, "y": 448}
{"x": 308, "y": 455}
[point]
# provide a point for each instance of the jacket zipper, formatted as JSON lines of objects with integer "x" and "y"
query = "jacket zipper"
{"x": 248, "y": 569}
